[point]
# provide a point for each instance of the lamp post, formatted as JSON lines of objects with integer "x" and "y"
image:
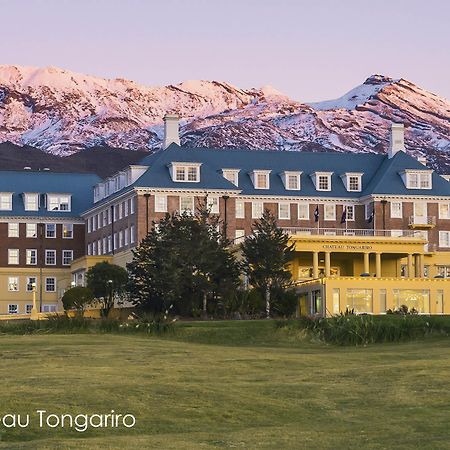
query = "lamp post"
{"x": 34, "y": 311}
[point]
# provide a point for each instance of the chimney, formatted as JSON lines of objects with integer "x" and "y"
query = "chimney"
{"x": 397, "y": 139}
{"x": 171, "y": 134}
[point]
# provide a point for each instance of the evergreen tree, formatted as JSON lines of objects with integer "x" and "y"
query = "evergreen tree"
{"x": 266, "y": 254}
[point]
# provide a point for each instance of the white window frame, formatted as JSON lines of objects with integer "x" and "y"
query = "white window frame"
{"x": 255, "y": 178}
{"x": 213, "y": 203}
{"x": 191, "y": 209}
{"x": 46, "y": 284}
{"x": 288, "y": 215}
{"x": 6, "y": 201}
{"x": 70, "y": 227}
{"x": 239, "y": 236}
{"x": 47, "y": 253}
{"x": 441, "y": 215}
{"x": 31, "y": 201}
{"x": 29, "y": 283}
{"x": 30, "y": 252}
{"x": 31, "y": 234}
{"x": 306, "y": 206}
{"x": 350, "y": 217}
{"x": 64, "y": 258}
{"x": 186, "y": 172}
{"x": 418, "y": 179}
{"x": 161, "y": 203}
{"x": 13, "y": 229}
{"x": 447, "y": 239}
{"x": 240, "y": 211}
{"x": 256, "y": 205}
{"x": 13, "y": 310}
{"x": 316, "y": 176}
{"x": 287, "y": 176}
{"x": 13, "y": 283}
{"x": 46, "y": 231}
{"x": 132, "y": 239}
{"x": 10, "y": 257}
{"x": 232, "y": 175}
{"x": 59, "y": 200}
{"x": 28, "y": 308}
{"x": 328, "y": 206}
{"x": 396, "y": 214}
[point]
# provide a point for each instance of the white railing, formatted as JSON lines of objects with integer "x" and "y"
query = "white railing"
{"x": 299, "y": 231}
{"x": 422, "y": 220}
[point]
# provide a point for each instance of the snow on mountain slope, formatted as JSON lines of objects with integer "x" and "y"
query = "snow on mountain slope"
{"x": 62, "y": 112}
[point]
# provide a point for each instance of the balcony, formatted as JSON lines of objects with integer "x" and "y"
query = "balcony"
{"x": 299, "y": 231}
{"x": 422, "y": 221}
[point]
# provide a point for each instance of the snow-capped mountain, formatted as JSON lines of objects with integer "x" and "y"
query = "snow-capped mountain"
{"x": 62, "y": 112}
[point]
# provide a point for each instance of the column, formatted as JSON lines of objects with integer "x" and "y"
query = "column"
{"x": 327, "y": 264}
{"x": 366, "y": 263}
{"x": 315, "y": 264}
{"x": 410, "y": 265}
{"x": 378, "y": 265}
{"x": 420, "y": 265}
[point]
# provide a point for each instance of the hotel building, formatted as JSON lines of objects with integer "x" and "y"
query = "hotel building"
{"x": 371, "y": 231}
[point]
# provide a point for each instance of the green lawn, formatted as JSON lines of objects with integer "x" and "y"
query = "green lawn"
{"x": 228, "y": 385}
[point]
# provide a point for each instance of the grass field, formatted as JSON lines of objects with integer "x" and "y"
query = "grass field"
{"x": 228, "y": 385}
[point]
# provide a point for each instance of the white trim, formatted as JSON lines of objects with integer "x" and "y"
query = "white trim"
{"x": 288, "y": 211}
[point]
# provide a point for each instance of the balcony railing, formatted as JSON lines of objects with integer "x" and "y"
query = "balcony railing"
{"x": 299, "y": 231}
{"x": 426, "y": 221}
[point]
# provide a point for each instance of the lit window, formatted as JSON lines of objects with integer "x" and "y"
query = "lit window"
{"x": 444, "y": 238}
{"x": 257, "y": 210}
{"x": 360, "y": 300}
{"x": 31, "y": 202}
{"x": 58, "y": 202}
{"x": 67, "y": 230}
{"x": 444, "y": 210}
{"x": 213, "y": 205}
{"x": 13, "y": 230}
{"x": 240, "y": 209}
{"x": 239, "y": 236}
{"x": 396, "y": 210}
{"x": 284, "y": 211}
{"x": 303, "y": 211}
{"x": 5, "y": 201}
{"x": 67, "y": 257}
{"x": 31, "y": 257}
{"x": 13, "y": 256}
{"x": 50, "y": 284}
{"x": 187, "y": 205}
{"x": 13, "y": 309}
{"x": 50, "y": 257}
{"x": 329, "y": 212}
{"x": 50, "y": 230}
{"x": 160, "y": 203}
{"x": 31, "y": 230}
{"x": 13, "y": 284}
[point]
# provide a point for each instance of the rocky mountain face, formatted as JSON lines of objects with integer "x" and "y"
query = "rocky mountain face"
{"x": 62, "y": 112}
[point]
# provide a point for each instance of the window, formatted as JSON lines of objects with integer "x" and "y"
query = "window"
{"x": 382, "y": 300}
{"x": 67, "y": 257}
{"x": 396, "y": 210}
{"x": 116, "y": 241}
{"x": 350, "y": 211}
{"x": 336, "y": 301}
{"x": 5, "y": 201}
{"x": 89, "y": 224}
{"x": 293, "y": 182}
{"x": 131, "y": 234}
{"x": 418, "y": 179}
{"x": 284, "y": 211}
{"x": 322, "y": 180}
{"x": 240, "y": 209}
{"x": 13, "y": 256}
{"x": 160, "y": 203}
{"x": 126, "y": 236}
{"x": 49, "y": 308}
{"x": 413, "y": 298}
{"x": 67, "y": 230}
{"x": 132, "y": 200}
{"x": 13, "y": 309}
{"x": 99, "y": 247}
{"x": 329, "y": 212}
{"x": 105, "y": 217}
{"x": 213, "y": 205}
{"x": 50, "y": 230}
{"x": 50, "y": 257}
{"x": 261, "y": 179}
{"x": 89, "y": 249}
{"x": 239, "y": 236}
{"x": 120, "y": 209}
{"x": 360, "y": 300}
{"x": 125, "y": 208}
{"x": 31, "y": 258}
{"x": 58, "y": 202}
{"x": 109, "y": 243}
{"x": 50, "y": 284}
{"x": 185, "y": 172}
{"x": 444, "y": 210}
{"x": 368, "y": 210}
{"x": 28, "y": 308}
{"x": 354, "y": 183}
{"x": 187, "y": 205}
{"x": 444, "y": 238}
{"x": 303, "y": 211}
{"x": 323, "y": 183}
{"x": 257, "y": 210}
{"x": 443, "y": 271}
{"x": 13, "y": 284}
{"x": 31, "y": 230}
{"x": 232, "y": 176}
{"x": 120, "y": 239}
{"x": 31, "y": 202}
{"x": 13, "y": 229}
{"x": 30, "y": 282}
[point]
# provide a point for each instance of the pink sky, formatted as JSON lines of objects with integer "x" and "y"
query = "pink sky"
{"x": 310, "y": 50}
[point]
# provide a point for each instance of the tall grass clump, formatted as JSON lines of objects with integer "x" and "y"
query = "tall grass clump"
{"x": 365, "y": 329}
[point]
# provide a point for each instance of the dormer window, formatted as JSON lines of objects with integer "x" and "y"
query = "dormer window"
{"x": 291, "y": 180}
{"x": 5, "y": 201}
{"x": 417, "y": 179}
{"x": 58, "y": 202}
{"x": 232, "y": 175}
{"x": 352, "y": 181}
{"x": 31, "y": 201}
{"x": 322, "y": 180}
{"x": 185, "y": 172}
{"x": 260, "y": 179}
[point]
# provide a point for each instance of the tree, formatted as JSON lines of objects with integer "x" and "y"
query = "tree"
{"x": 106, "y": 281}
{"x": 266, "y": 255}
{"x": 182, "y": 263}
{"x": 77, "y": 298}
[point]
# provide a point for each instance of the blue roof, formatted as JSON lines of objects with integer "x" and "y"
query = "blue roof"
{"x": 79, "y": 185}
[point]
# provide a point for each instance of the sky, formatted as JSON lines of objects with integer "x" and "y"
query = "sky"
{"x": 309, "y": 50}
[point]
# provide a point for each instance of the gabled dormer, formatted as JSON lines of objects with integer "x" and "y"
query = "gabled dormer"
{"x": 291, "y": 180}
{"x": 185, "y": 172}
{"x": 232, "y": 175}
{"x": 352, "y": 181}
{"x": 417, "y": 178}
{"x": 260, "y": 178}
{"x": 322, "y": 180}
